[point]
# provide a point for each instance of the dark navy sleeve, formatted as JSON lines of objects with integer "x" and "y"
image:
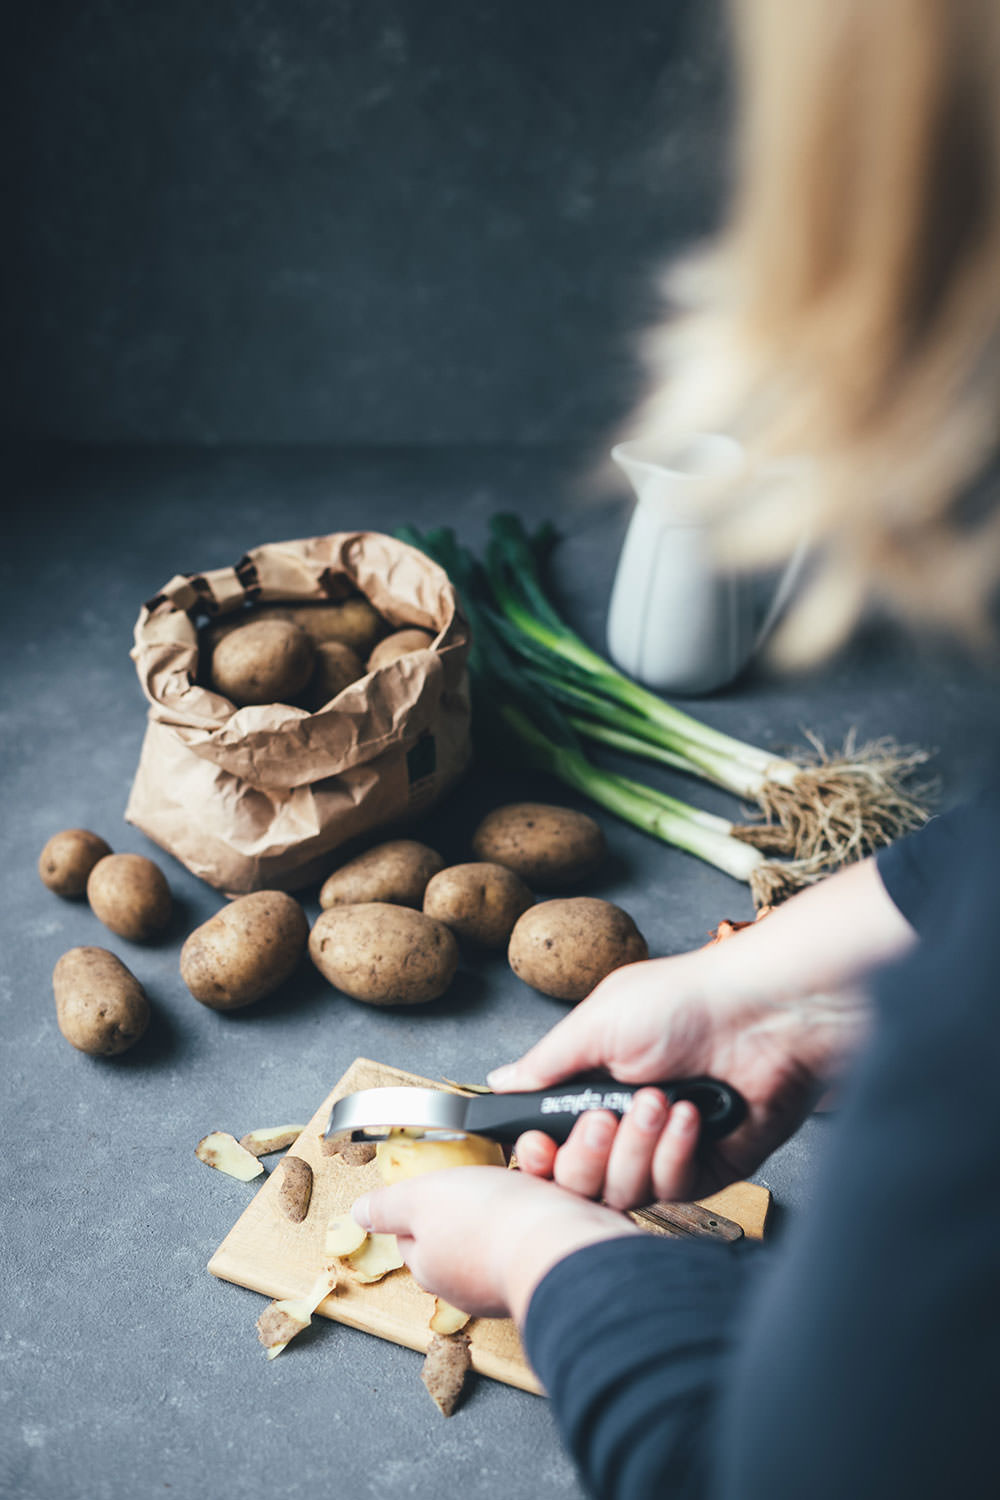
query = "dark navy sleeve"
{"x": 911, "y": 867}
{"x": 868, "y": 1365}
{"x": 919, "y": 871}
{"x": 630, "y": 1339}
{"x": 857, "y": 1358}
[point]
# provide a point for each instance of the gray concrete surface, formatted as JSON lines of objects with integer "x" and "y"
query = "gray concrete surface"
{"x": 127, "y": 1371}
{"x": 333, "y": 222}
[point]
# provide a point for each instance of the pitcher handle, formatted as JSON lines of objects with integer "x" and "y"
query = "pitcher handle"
{"x": 782, "y": 594}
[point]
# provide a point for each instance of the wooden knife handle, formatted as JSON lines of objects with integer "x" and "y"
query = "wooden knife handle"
{"x": 687, "y": 1219}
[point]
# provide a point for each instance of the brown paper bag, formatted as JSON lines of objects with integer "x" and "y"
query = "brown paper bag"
{"x": 260, "y": 797}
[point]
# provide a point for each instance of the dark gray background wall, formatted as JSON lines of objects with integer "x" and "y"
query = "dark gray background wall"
{"x": 346, "y": 221}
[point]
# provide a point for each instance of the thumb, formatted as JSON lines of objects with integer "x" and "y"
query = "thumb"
{"x": 572, "y": 1046}
{"x": 385, "y": 1210}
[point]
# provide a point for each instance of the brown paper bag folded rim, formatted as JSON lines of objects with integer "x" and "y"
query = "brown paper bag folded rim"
{"x": 278, "y": 745}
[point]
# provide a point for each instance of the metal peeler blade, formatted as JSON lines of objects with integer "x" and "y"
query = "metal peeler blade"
{"x": 374, "y": 1112}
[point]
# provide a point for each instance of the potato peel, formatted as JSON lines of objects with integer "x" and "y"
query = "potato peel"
{"x": 466, "y": 1088}
{"x": 447, "y": 1319}
{"x": 223, "y": 1151}
{"x": 344, "y": 1235}
{"x": 295, "y": 1188}
{"x": 266, "y": 1142}
{"x": 375, "y": 1258}
{"x": 444, "y": 1370}
{"x": 352, "y": 1153}
{"x": 282, "y": 1320}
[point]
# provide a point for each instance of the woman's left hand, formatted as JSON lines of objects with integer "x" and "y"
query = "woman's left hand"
{"x": 483, "y": 1237}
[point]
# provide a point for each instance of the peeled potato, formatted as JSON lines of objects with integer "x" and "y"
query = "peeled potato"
{"x": 401, "y": 1156}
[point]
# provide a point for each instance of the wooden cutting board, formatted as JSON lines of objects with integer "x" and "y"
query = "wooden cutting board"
{"x": 267, "y": 1253}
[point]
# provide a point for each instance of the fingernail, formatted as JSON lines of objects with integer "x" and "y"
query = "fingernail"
{"x": 597, "y": 1131}
{"x": 530, "y": 1151}
{"x": 649, "y": 1112}
{"x": 361, "y": 1212}
{"x": 502, "y": 1077}
{"x": 684, "y": 1118}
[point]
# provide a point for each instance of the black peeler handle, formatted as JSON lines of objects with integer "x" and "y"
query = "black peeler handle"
{"x": 504, "y": 1117}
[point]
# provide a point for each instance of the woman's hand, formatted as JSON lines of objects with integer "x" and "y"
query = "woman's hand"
{"x": 649, "y": 1021}
{"x": 743, "y": 1011}
{"x": 483, "y": 1237}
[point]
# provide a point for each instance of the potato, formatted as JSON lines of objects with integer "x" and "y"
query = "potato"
{"x": 129, "y": 894}
{"x": 547, "y": 846}
{"x": 270, "y": 661}
{"x": 400, "y": 643}
{"x": 397, "y": 872}
{"x": 245, "y": 951}
{"x": 353, "y": 621}
{"x": 385, "y": 955}
{"x": 68, "y": 858}
{"x": 401, "y": 1157}
{"x": 101, "y": 1007}
{"x": 336, "y": 665}
{"x": 564, "y": 948}
{"x": 480, "y": 902}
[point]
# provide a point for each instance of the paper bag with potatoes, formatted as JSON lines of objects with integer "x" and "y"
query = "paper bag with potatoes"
{"x": 252, "y": 794}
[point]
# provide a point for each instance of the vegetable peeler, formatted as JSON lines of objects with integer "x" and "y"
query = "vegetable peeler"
{"x": 503, "y": 1117}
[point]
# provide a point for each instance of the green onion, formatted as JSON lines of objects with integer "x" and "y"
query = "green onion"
{"x": 517, "y": 716}
{"x": 513, "y": 576}
{"x": 833, "y": 808}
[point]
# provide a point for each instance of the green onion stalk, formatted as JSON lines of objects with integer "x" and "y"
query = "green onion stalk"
{"x": 713, "y": 839}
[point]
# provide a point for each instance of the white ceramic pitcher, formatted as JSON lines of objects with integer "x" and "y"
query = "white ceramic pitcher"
{"x": 677, "y": 622}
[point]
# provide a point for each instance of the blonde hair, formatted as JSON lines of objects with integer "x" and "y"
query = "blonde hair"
{"x": 850, "y": 309}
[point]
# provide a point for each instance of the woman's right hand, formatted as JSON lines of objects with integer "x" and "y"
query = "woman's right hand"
{"x": 652, "y": 1022}
{"x": 740, "y": 1011}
